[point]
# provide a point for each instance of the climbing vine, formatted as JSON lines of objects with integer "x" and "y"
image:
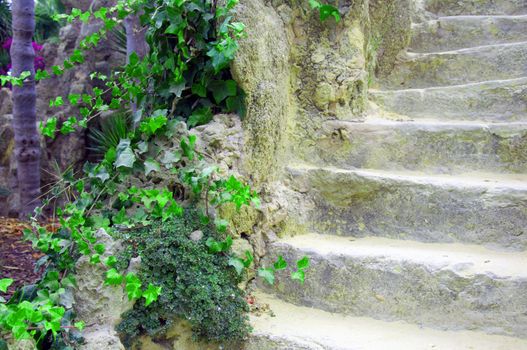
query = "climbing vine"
{"x": 184, "y": 78}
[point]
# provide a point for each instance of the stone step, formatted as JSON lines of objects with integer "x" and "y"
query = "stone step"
{"x": 476, "y": 7}
{"x": 499, "y": 101}
{"x": 458, "y": 32}
{"x": 428, "y": 146}
{"x": 479, "y": 208}
{"x": 292, "y": 327}
{"x": 443, "y": 286}
{"x": 482, "y": 63}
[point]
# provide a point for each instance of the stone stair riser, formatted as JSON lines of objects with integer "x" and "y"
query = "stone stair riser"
{"x": 452, "y": 33}
{"x": 430, "y": 148}
{"x": 491, "y": 102}
{"x": 398, "y": 290}
{"x": 476, "y": 7}
{"x": 346, "y": 203}
{"x": 508, "y": 61}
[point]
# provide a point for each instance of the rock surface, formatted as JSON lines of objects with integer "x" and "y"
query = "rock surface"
{"x": 415, "y": 212}
{"x": 98, "y": 305}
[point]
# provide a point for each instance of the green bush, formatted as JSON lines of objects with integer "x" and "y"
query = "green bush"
{"x": 198, "y": 286}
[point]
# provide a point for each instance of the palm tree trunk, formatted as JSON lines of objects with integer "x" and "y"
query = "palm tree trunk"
{"x": 27, "y": 140}
{"x": 135, "y": 36}
{"x": 135, "y": 42}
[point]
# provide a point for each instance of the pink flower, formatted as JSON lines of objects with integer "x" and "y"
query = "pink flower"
{"x": 39, "y": 63}
{"x": 36, "y": 46}
{"x": 7, "y": 44}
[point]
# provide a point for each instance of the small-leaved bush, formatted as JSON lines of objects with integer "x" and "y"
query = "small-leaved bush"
{"x": 203, "y": 286}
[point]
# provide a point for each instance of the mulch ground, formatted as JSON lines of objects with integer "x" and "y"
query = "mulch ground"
{"x": 17, "y": 258}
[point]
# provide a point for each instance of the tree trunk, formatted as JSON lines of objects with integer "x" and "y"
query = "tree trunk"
{"x": 135, "y": 42}
{"x": 135, "y": 36}
{"x": 27, "y": 140}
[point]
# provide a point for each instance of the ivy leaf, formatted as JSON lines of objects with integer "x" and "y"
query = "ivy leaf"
{"x": 80, "y": 325}
{"x": 200, "y": 116}
{"x": 171, "y": 157}
{"x": 314, "y": 4}
{"x": 151, "y": 165}
{"x": 151, "y": 294}
{"x": 133, "y": 286}
{"x": 249, "y": 258}
{"x": 49, "y": 127}
{"x": 267, "y": 274}
{"x": 95, "y": 259}
{"x": 5, "y": 283}
{"x": 221, "y": 225}
{"x": 174, "y": 210}
{"x": 327, "y": 11}
{"x": 238, "y": 264}
{"x": 299, "y": 276}
{"x": 303, "y": 263}
{"x": 110, "y": 261}
{"x": 188, "y": 147}
{"x": 149, "y": 126}
{"x": 41, "y": 75}
{"x": 280, "y": 264}
{"x": 74, "y": 99}
{"x": 221, "y": 89}
{"x": 113, "y": 277}
{"x": 125, "y": 155}
{"x": 199, "y": 90}
{"x": 142, "y": 147}
{"x": 99, "y": 248}
{"x": 68, "y": 126}
{"x": 213, "y": 245}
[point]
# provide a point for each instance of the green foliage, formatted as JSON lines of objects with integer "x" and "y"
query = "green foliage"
{"x": 45, "y": 26}
{"x": 203, "y": 287}
{"x": 112, "y": 130}
{"x": 192, "y": 44}
{"x": 184, "y": 77}
{"x": 325, "y": 11}
{"x": 5, "y": 30}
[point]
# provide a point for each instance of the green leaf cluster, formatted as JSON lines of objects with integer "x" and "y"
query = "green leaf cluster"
{"x": 203, "y": 289}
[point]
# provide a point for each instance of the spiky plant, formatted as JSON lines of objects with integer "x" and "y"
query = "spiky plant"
{"x": 5, "y": 20}
{"x": 46, "y": 27}
{"x": 112, "y": 130}
{"x": 5, "y": 32}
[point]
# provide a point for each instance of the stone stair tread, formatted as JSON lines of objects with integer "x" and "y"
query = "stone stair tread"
{"x": 457, "y": 32}
{"x": 455, "y": 67}
{"x": 479, "y": 7}
{"x": 515, "y": 182}
{"x": 482, "y": 208}
{"x": 429, "y": 145}
{"x": 462, "y": 259}
{"x": 428, "y": 123}
{"x": 478, "y": 84}
{"x": 296, "y": 327}
{"x": 467, "y": 50}
{"x": 492, "y": 101}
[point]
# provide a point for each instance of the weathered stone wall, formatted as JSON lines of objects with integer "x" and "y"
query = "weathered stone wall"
{"x": 299, "y": 72}
{"x": 390, "y": 31}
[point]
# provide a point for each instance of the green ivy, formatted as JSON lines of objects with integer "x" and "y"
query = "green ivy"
{"x": 184, "y": 77}
{"x": 203, "y": 287}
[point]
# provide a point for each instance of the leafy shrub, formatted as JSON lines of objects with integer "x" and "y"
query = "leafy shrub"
{"x": 197, "y": 286}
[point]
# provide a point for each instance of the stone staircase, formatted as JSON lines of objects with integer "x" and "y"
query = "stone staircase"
{"x": 418, "y": 216}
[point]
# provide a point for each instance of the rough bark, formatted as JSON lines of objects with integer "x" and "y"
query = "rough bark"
{"x": 135, "y": 42}
{"x": 135, "y": 36}
{"x": 27, "y": 140}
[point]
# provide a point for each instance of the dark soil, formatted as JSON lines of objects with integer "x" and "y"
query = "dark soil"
{"x": 17, "y": 257}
